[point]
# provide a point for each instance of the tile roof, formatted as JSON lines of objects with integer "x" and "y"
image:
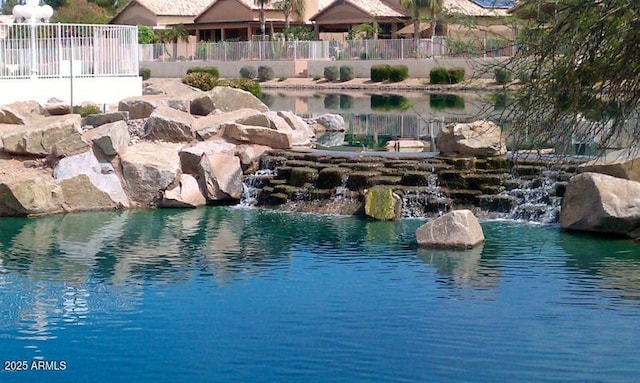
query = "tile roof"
{"x": 175, "y": 7}
{"x": 469, "y": 8}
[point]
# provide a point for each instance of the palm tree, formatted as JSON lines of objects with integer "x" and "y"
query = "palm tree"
{"x": 262, "y": 17}
{"x": 418, "y": 8}
{"x": 173, "y": 35}
{"x": 288, "y": 7}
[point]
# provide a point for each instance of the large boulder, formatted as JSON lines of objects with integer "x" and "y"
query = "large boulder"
{"x": 21, "y": 112}
{"x": 35, "y": 196}
{"x": 171, "y": 125}
{"x": 209, "y": 126}
{"x": 620, "y": 163}
{"x": 149, "y": 168}
{"x": 381, "y": 203}
{"x": 603, "y": 204}
{"x": 250, "y": 154}
{"x": 287, "y": 122}
{"x": 40, "y": 137}
{"x": 221, "y": 176}
{"x": 258, "y": 135}
{"x": 186, "y": 194}
{"x": 327, "y": 123}
{"x": 458, "y": 229}
{"x": 190, "y": 156}
{"x": 97, "y": 177}
{"x": 143, "y": 106}
{"x": 229, "y": 99}
{"x": 167, "y": 87}
{"x": 100, "y": 119}
{"x": 478, "y": 138}
{"x": 112, "y": 138}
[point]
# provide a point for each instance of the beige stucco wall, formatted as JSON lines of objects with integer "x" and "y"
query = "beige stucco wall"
{"x": 344, "y": 13}
{"x": 229, "y": 69}
{"x": 225, "y": 11}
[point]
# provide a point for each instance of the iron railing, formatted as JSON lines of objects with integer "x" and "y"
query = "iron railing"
{"x": 59, "y": 50}
{"x": 398, "y": 49}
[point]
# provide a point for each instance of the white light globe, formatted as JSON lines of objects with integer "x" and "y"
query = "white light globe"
{"x": 32, "y": 3}
{"x": 18, "y": 12}
{"x": 47, "y": 12}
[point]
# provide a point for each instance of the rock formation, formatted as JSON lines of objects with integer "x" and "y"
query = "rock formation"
{"x": 458, "y": 229}
{"x": 479, "y": 138}
{"x": 601, "y": 203}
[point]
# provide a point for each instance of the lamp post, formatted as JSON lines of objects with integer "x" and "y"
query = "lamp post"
{"x": 32, "y": 13}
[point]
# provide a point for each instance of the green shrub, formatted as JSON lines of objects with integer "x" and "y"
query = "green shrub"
{"x": 331, "y": 73}
{"x": 201, "y": 80}
{"x": 503, "y": 76}
{"x": 380, "y": 72}
{"x": 398, "y": 73}
{"x": 346, "y": 73}
{"x": 145, "y": 73}
{"x": 86, "y": 110}
{"x": 456, "y": 75}
{"x": 316, "y": 78}
{"x": 439, "y": 75}
{"x": 211, "y": 70}
{"x": 248, "y": 72}
{"x": 386, "y": 103}
{"x": 250, "y": 86}
{"x": 265, "y": 73}
{"x": 281, "y": 79}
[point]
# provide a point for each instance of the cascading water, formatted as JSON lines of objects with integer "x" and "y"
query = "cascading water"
{"x": 252, "y": 186}
{"x": 537, "y": 200}
{"x": 420, "y": 202}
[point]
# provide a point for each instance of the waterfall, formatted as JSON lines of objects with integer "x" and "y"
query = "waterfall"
{"x": 537, "y": 200}
{"x": 420, "y": 201}
{"x": 252, "y": 185}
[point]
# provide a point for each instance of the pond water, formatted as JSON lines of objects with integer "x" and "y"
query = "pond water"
{"x": 236, "y": 295}
{"x": 372, "y": 119}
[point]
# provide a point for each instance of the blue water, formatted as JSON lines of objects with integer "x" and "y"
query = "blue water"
{"x": 233, "y": 295}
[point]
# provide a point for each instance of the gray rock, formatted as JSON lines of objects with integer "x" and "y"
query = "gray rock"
{"x": 479, "y": 138}
{"x": 221, "y": 176}
{"x": 102, "y": 177}
{"x": 229, "y": 99}
{"x": 620, "y": 163}
{"x": 456, "y": 229}
{"x": 186, "y": 195}
{"x": 190, "y": 156}
{"x": 112, "y": 138}
{"x": 328, "y": 122}
{"x": 603, "y": 204}
{"x": 171, "y": 125}
{"x": 209, "y": 126}
{"x": 97, "y": 120}
{"x": 149, "y": 168}
{"x": 258, "y": 135}
{"x": 81, "y": 194}
{"x": 36, "y": 196}
{"x": 41, "y": 136}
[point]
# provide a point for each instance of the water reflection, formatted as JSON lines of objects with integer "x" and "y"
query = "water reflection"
{"x": 609, "y": 263}
{"x": 461, "y": 267}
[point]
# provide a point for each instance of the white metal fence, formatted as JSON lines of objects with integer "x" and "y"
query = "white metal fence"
{"x": 62, "y": 50}
{"x": 398, "y": 49}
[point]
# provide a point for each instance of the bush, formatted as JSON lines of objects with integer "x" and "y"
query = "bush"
{"x": 201, "y": 80}
{"x": 331, "y": 73}
{"x": 248, "y": 72}
{"x": 316, "y": 78}
{"x": 265, "y": 73}
{"x": 145, "y": 73}
{"x": 346, "y": 102}
{"x": 503, "y": 76}
{"x": 281, "y": 79}
{"x": 398, "y": 73}
{"x": 446, "y": 101}
{"x": 86, "y": 110}
{"x": 250, "y": 86}
{"x": 346, "y": 73}
{"x": 456, "y": 75}
{"x": 211, "y": 70}
{"x": 380, "y": 72}
{"x": 439, "y": 75}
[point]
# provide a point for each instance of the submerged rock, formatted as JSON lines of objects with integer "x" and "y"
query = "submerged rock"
{"x": 603, "y": 204}
{"x": 456, "y": 229}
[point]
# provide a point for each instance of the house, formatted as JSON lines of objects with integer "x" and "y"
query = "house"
{"x": 340, "y": 16}
{"x": 160, "y": 14}
{"x": 240, "y": 19}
